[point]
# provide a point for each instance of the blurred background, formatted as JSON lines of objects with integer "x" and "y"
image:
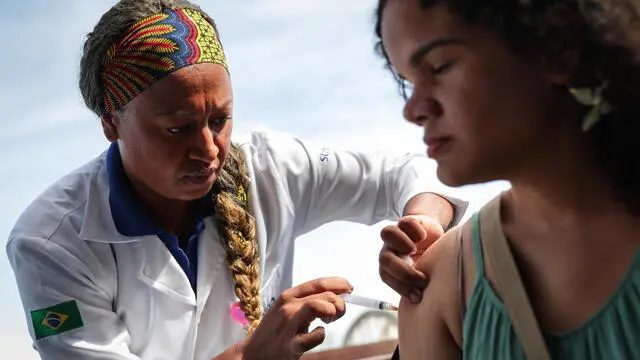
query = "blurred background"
{"x": 306, "y": 67}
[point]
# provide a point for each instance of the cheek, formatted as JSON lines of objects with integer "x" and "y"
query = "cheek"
{"x": 486, "y": 136}
{"x": 224, "y": 146}
{"x": 158, "y": 159}
{"x": 486, "y": 105}
{"x": 493, "y": 119}
{"x": 164, "y": 152}
{"x": 223, "y": 142}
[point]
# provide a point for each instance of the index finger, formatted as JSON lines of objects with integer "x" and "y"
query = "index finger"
{"x": 413, "y": 227}
{"x": 335, "y": 285}
{"x": 396, "y": 240}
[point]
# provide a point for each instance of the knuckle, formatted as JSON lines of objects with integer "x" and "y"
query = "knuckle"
{"x": 388, "y": 232}
{"x": 287, "y": 311}
{"x": 330, "y": 296}
{"x": 410, "y": 227}
{"x": 321, "y": 307}
{"x": 383, "y": 251}
{"x": 285, "y": 296}
{"x": 406, "y": 221}
{"x": 319, "y": 285}
{"x": 315, "y": 304}
{"x": 339, "y": 306}
{"x": 386, "y": 259}
{"x": 332, "y": 285}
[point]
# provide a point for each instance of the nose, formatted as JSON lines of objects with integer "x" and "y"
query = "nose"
{"x": 205, "y": 148}
{"x": 420, "y": 108}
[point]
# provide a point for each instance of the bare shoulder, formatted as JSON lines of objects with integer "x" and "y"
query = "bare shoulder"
{"x": 442, "y": 255}
{"x": 438, "y": 314}
{"x": 442, "y": 261}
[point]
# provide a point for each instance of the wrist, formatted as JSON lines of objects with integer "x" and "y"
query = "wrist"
{"x": 235, "y": 352}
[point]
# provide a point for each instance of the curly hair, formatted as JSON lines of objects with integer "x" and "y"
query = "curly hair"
{"x": 592, "y": 42}
{"x": 235, "y": 222}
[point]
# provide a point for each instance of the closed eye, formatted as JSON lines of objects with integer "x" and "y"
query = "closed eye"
{"x": 442, "y": 68}
{"x": 220, "y": 121}
{"x": 175, "y": 130}
{"x": 214, "y": 123}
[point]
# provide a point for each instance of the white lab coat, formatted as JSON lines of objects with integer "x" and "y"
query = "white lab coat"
{"x": 135, "y": 300}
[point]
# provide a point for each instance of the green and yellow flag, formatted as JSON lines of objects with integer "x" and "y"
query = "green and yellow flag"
{"x": 56, "y": 319}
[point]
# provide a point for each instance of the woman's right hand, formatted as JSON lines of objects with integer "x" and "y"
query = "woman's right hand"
{"x": 283, "y": 333}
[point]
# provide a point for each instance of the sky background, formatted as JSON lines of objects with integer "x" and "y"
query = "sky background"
{"x": 306, "y": 67}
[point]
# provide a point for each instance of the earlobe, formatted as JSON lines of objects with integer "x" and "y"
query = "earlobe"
{"x": 558, "y": 79}
{"x": 109, "y": 127}
{"x": 558, "y": 70}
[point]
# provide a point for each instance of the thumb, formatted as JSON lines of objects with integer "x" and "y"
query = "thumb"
{"x": 433, "y": 231}
{"x": 432, "y": 228}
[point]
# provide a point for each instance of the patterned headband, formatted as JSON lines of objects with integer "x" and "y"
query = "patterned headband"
{"x": 155, "y": 47}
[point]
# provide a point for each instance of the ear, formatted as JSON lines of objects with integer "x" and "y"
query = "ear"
{"x": 558, "y": 79}
{"x": 562, "y": 62}
{"x": 110, "y": 127}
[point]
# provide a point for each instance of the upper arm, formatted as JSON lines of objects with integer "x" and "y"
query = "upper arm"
{"x": 432, "y": 328}
{"x": 52, "y": 279}
{"x": 326, "y": 185}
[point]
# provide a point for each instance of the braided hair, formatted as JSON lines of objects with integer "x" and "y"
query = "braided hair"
{"x": 236, "y": 225}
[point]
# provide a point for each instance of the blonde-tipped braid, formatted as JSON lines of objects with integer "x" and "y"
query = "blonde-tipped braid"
{"x": 236, "y": 225}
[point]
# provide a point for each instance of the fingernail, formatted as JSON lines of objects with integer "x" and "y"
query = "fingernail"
{"x": 416, "y": 296}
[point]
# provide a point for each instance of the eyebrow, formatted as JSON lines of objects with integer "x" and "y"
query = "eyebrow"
{"x": 190, "y": 113}
{"x": 425, "y": 49}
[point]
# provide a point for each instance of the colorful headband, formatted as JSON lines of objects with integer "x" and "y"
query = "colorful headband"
{"x": 155, "y": 47}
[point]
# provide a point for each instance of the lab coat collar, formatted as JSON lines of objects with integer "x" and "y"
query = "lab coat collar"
{"x": 112, "y": 214}
{"x": 97, "y": 223}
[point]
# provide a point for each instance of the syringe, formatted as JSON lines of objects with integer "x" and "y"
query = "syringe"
{"x": 368, "y": 302}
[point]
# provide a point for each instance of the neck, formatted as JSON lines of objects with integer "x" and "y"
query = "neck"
{"x": 562, "y": 186}
{"x": 171, "y": 215}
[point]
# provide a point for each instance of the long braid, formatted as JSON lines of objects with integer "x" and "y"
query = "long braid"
{"x": 236, "y": 225}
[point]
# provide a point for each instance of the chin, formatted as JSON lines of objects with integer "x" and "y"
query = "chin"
{"x": 462, "y": 176}
{"x": 191, "y": 192}
{"x": 453, "y": 178}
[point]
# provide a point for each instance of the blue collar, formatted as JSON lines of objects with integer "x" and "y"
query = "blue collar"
{"x": 129, "y": 217}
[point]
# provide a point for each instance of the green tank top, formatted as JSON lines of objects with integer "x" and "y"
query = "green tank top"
{"x": 612, "y": 333}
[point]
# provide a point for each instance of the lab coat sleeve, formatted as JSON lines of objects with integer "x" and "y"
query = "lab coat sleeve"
{"x": 48, "y": 274}
{"x": 326, "y": 185}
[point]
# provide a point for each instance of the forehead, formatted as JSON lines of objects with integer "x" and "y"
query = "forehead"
{"x": 195, "y": 85}
{"x": 407, "y": 26}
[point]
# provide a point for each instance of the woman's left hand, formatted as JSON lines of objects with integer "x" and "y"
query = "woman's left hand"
{"x": 410, "y": 237}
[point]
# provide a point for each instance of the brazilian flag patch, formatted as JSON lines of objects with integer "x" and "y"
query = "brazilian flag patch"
{"x": 56, "y": 319}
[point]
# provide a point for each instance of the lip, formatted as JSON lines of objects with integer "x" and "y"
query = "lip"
{"x": 437, "y": 146}
{"x": 202, "y": 177}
